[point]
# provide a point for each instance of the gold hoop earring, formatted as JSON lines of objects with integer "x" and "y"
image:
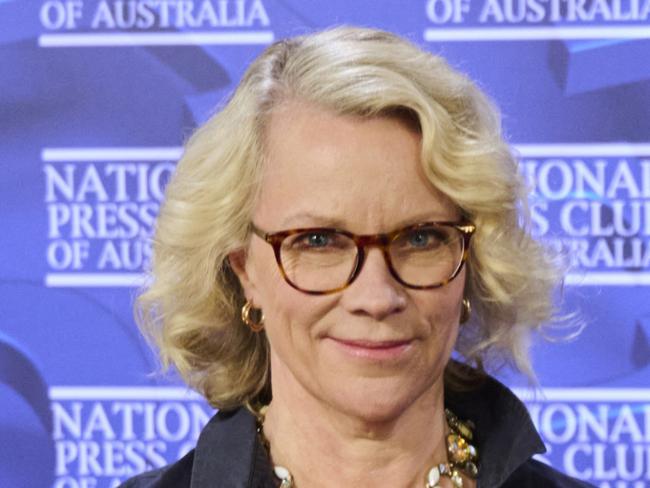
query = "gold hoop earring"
{"x": 255, "y": 325}
{"x": 466, "y": 311}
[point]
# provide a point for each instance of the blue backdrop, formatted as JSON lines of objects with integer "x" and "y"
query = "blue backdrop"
{"x": 96, "y": 98}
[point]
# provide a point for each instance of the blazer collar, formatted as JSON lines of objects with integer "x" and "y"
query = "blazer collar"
{"x": 228, "y": 453}
{"x": 505, "y": 436}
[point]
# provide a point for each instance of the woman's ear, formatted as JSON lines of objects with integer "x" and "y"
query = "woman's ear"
{"x": 238, "y": 261}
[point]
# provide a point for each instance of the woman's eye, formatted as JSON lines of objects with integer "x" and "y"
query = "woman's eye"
{"x": 318, "y": 240}
{"x": 425, "y": 238}
{"x": 419, "y": 239}
{"x": 313, "y": 240}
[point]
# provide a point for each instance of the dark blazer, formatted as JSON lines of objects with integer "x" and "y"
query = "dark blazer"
{"x": 229, "y": 454}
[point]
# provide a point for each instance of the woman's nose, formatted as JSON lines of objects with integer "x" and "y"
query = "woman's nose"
{"x": 374, "y": 292}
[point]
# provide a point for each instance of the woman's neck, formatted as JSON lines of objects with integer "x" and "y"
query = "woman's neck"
{"x": 324, "y": 446}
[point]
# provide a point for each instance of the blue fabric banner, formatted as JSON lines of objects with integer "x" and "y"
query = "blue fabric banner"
{"x": 96, "y": 98}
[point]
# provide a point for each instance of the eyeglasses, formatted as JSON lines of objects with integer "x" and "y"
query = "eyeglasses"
{"x": 320, "y": 260}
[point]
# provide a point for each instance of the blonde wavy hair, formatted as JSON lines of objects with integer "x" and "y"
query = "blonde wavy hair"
{"x": 191, "y": 308}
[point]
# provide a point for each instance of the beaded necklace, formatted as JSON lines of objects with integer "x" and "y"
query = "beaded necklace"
{"x": 461, "y": 454}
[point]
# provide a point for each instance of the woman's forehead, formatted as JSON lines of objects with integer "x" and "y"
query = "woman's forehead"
{"x": 304, "y": 142}
{"x": 337, "y": 166}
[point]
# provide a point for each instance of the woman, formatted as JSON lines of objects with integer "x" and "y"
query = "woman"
{"x": 350, "y": 218}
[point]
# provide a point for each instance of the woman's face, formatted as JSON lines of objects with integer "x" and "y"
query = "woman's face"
{"x": 375, "y": 348}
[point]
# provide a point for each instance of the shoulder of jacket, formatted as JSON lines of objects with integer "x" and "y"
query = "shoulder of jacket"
{"x": 175, "y": 475}
{"x": 536, "y": 474}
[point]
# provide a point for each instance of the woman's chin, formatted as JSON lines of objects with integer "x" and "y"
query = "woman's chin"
{"x": 377, "y": 414}
{"x": 381, "y": 404}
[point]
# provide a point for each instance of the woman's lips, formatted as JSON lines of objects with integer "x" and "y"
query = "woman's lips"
{"x": 373, "y": 350}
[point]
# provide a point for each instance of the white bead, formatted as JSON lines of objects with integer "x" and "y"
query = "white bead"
{"x": 281, "y": 472}
{"x": 433, "y": 477}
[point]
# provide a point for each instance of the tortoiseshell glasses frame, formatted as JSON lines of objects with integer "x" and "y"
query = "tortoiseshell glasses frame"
{"x": 363, "y": 242}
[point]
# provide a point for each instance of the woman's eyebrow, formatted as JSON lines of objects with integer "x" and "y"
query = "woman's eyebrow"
{"x": 314, "y": 219}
